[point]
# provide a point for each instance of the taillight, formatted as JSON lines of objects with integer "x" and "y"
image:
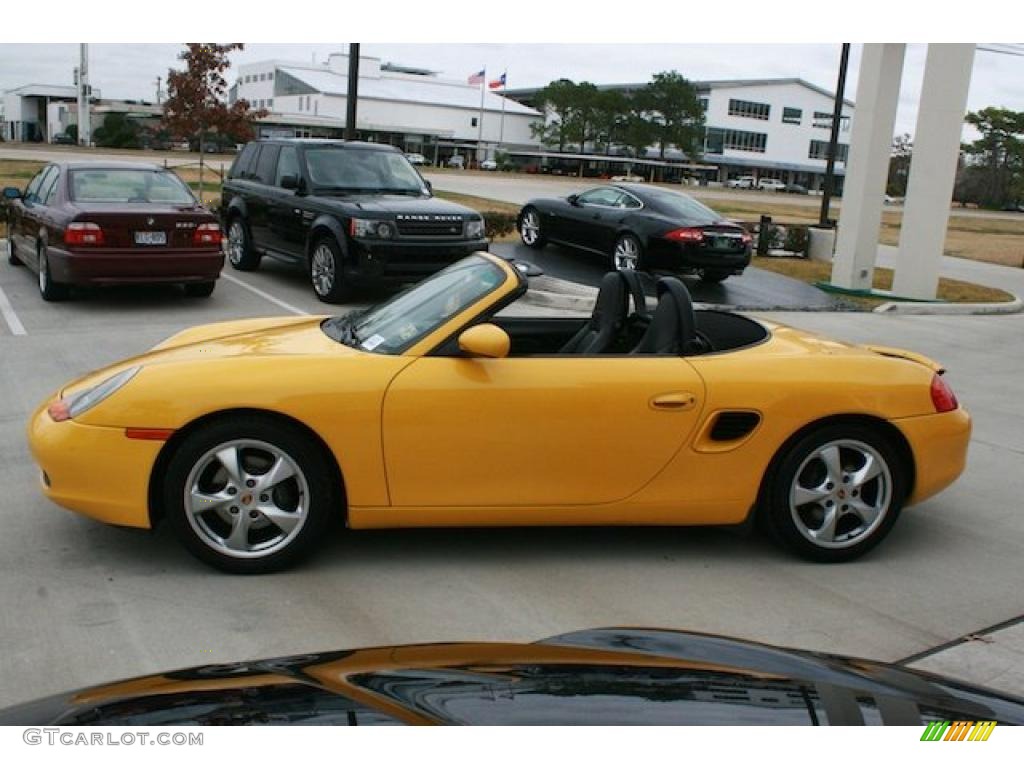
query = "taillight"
{"x": 686, "y": 235}
{"x": 83, "y": 233}
{"x": 942, "y": 396}
{"x": 207, "y": 234}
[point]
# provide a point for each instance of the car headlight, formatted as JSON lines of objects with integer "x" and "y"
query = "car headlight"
{"x": 475, "y": 228}
{"x": 77, "y": 403}
{"x": 383, "y": 230}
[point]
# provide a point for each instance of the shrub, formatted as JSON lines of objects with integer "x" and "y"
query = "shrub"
{"x": 796, "y": 240}
{"x": 499, "y": 223}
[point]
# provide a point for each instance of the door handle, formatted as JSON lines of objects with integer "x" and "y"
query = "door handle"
{"x": 674, "y": 401}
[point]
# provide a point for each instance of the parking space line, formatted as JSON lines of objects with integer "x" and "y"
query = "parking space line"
{"x": 264, "y": 295}
{"x": 10, "y": 316}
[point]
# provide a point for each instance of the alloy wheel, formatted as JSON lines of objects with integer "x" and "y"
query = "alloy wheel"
{"x": 627, "y": 254}
{"x": 529, "y": 227}
{"x": 236, "y": 243}
{"x": 323, "y": 269}
{"x": 44, "y": 269}
{"x": 246, "y": 498}
{"x": 841, "y": 493}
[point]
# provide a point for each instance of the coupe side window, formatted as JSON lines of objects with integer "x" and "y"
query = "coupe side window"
{"x": 603, "y": 196}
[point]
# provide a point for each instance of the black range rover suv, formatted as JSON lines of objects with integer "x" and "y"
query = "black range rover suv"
{"x": 350, "y": 213}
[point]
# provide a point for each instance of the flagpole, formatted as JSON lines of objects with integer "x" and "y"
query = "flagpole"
{"x": 504, "y": 85}
{"x": 480, "y": 121}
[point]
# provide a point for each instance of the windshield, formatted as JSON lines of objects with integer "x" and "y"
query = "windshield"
{"x": 394, "y": 326}
{"x": 129, "y": 185}
{"x": 683, "y": 205}
{"x": 363, "y": 170}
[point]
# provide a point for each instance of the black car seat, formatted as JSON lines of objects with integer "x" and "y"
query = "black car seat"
{"x": 601, "y": 331}
{"x": 673, "y": 328}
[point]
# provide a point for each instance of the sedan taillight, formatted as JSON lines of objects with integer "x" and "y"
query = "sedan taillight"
{"x": 80, "y": 233}
{"x": 942, "y": 396}
{"x": 207, "y": 234}
{"x": 686, "y": 235}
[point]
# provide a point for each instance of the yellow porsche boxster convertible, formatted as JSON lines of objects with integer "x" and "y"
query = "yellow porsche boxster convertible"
{"x": 434, "y": 408}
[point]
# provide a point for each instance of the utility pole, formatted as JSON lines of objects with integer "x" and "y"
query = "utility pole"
{"x": 833, "y": 142}
{"x": 84, "y": 90}
{"x": 159, "y": 93}
{"x": 352, "y": 94}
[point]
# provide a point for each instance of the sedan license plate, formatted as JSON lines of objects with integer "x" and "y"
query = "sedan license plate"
{"x": 151, "y": 238}
{"x": 724, "y": 243}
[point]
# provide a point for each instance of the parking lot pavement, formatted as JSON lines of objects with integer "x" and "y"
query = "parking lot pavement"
{"x": 85, "y": 603}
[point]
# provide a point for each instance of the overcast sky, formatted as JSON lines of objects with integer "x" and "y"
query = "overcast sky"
{"x": 130, "y": 70}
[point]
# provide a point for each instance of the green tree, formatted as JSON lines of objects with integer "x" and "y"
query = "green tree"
{"x": 610, "y": 108}
{"x": 119, "y": 131}
{"x": 558, "y": 100}
{"x": 676, "y": 113}
{"x": 638, "y": 131}
{"x": 1000, "y": 151}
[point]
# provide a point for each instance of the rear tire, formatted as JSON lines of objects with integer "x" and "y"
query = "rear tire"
{"x": 48, "y": 289}
{"x": 12, "y": 257}
{"x": 327, "y": 272}
{"x": 241, "y": 255}
{"x": 200, "y": 290}
{"x": 836, "y": 493}
{"x": 713, "y": 275}
{"x": 230, "y": 513}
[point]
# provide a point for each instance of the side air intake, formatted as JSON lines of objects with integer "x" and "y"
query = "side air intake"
{"x": 732, "y": 425}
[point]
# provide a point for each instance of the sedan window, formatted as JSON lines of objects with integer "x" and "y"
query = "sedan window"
{"x": 129, "y": 185}
{"x": 47, "y": 184}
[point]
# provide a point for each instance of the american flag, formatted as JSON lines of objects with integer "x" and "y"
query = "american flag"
{"x": 477, "y": 77}
{"x": 499, "y": 83}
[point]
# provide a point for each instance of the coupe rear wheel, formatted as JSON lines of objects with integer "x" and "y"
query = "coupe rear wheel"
{"x": 326, "y": 271}
{"x": 12, "y": 257}
{"x": 836, "y": 493}
{"x": 200, "y": 290}
{"x": 48, "y": 289}
{"x": 249, "y": 495}
{"x": 530, "y": 229}
{"x": 708, "y": 275}
{"x": 628, "y": 253}
{"x": 241, "y": 255}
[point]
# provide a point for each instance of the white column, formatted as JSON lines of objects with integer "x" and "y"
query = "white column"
{"x": 940, "y": 121}
{"x": 867, "y": 166}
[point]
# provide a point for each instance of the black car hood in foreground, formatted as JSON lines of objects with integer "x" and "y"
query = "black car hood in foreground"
{"x": 598, "y": 677}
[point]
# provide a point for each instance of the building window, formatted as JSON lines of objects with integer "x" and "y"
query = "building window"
{"x": 473, "y": 121}
{"x": 824, "y": 120}
{"x": 703, "y": 105}
{"x": 270, "y": 102}
{"x": 792, "y": 115}
{"x": 819, "y": 151}
{"x": 717, "y": 140}
{"x": 270, "y": 76}
{"x": 752, "y": 109}
{"x": 247, "y": 79}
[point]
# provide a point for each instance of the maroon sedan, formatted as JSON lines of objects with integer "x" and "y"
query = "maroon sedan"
{"x": 109, "y": 224}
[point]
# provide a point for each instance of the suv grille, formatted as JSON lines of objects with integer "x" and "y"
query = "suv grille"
{"x": 429, "y": 225}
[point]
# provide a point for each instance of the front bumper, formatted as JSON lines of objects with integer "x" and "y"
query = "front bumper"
{"x": 939, "y": 444}
{"x": 134, "y": 265}
{"x": 95, "y": 471}
{"x": 376, "y": 260}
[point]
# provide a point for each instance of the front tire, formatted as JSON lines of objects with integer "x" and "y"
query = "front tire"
{"x": 12, "y": 257}
{"x": 326, "y": 272}
{"x": 836, "y": 493}
{"x": 200, "y": 290}
{"x": 241, "y": 255}
{"x": 627, "y": 254}
{"x": 48, "y": 289}
{"x": 249, "y": 495}
{"x": 530, "y": 231}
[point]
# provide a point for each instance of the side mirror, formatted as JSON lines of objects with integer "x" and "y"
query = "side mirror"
{"x": 12, "y": 193}
{"x": 485, "y": 340}
{"x": 291, "y": 181}
{"x": 573, "y": 199}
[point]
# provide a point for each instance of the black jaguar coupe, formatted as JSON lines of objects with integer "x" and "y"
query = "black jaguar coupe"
{"x": 642, "y": 227}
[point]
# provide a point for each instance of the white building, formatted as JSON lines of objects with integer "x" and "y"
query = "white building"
{"x": 412, "y": 109}
{"x": 38, "y": 112}
{"x": 774, "y": 128}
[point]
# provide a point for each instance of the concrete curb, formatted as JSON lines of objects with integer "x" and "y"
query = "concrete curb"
{"x": 929, "y": 308}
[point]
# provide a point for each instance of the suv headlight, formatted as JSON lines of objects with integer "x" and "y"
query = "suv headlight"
{"x": 76, "y": 403}
{"x": 383, "y": 230}
{"x": 475, "y": 228}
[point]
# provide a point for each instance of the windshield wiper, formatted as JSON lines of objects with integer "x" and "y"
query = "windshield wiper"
{"x": 404, "y": 191}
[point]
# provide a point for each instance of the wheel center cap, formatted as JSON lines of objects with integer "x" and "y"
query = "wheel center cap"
{"x": 842, "y": 495}
{"x": 247, "y": 499}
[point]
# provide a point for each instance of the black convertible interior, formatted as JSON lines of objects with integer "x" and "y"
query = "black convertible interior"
{"x": 621, "y": 324}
